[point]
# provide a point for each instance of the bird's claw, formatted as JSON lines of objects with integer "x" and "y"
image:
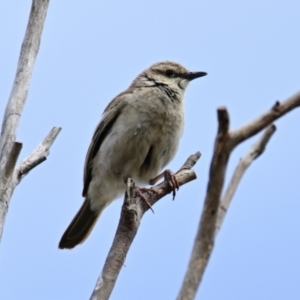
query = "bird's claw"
{"x": 140, "y": 192}
{"x": 170, "y": 178}
{"x": 172, "y": 181}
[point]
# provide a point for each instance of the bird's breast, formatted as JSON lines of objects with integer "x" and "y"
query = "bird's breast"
{"x": 143, "y": 139}
{"x": 159, "y": 129}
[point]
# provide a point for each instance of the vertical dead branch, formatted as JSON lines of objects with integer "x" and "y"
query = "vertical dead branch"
{"x": 205, "y": 236}
{"x": 18, "y": 95}
{"x": 9, "y": 148}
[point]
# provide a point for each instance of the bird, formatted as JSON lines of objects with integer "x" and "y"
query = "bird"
{"x": 137, "y": 136}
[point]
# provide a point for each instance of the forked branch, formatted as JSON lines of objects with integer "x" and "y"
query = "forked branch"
{"x": 213, "y": 213}
{"x": 9, "y": 148}
{"x": 256, "y": 150}
{"x": 132, "y": 212}
{"x": 16, "y": 174}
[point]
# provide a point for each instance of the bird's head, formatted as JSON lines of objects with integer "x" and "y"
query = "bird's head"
{"x": 167, "y": 73}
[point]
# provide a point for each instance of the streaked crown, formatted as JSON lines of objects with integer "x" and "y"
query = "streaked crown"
{"x": 167, "y": 73}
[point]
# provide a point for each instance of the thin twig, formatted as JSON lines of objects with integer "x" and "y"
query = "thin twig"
{"x": 38, "y": 155}
{"x": 256, "y": 150}
{"x": 132, "y": 212}
{"x": 278, "y": 110}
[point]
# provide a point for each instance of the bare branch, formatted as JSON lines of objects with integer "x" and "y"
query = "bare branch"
{"x": 224, "y": 145}
{"x": 6, "y": 176}
{"x": 223, "y": 119}
{"x": 278, "y": 110}
{"x": 205, "y": 236}
{"x": 12, "y": 160}
{"x": 5, "y": 180}
{"x": 9, "y": 148}
{"x": 132, "y": 212}
{"x": 20, "y": 87}
{"x": 190, "y": 162}
{"x": 38, "y": 155}
{"x": 256, "y": 150}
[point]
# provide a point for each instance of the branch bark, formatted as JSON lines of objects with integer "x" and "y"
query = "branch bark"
{"x": 278, "y": 110}
{"x": 9, "y": 148}
{"x": 16, "y": 102}
{"x": 256, "y": 150}
{"x": 132, "y": 212}
{"x": 205, "y": 236}
{"x": 38, "y": 155}
{"x": 212, "y": 215}
{"x": 7, "y": 187}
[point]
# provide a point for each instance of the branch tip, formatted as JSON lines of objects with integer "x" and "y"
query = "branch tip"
{"x": 278, "y": 110}
{"x": 38, "y": 155}
{"x": 223, "y": 119}
{"x": 190, "y": 162}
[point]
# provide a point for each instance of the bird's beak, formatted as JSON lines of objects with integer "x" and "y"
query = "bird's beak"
{"x": 193, "y": 75}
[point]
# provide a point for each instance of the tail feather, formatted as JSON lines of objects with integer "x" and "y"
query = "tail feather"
{"x": 80, "y": 227}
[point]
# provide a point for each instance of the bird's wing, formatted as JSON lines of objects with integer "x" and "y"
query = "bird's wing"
{"x": 110, "y": 115}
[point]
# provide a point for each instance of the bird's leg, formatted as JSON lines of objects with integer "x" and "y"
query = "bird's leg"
{"x": 169, "y": 177}
{"x": 140, "y": 193}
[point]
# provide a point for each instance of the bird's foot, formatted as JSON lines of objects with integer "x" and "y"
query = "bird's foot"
{"x": 140, "y": 192}
{"x": 169, "y": 177}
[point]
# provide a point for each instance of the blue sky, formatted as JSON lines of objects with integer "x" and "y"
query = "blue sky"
{"x": 90, "y": 52}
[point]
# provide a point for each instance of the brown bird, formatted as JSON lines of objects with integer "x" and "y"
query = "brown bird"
{"x": 138, "y": 135}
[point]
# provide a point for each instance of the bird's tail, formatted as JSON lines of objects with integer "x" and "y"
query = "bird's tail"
{"x": 80, "y": 227}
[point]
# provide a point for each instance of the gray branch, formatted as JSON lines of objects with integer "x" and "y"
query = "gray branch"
{"x": 38, "y": 155}
{"x": 9, "y": 148}
{"x": 132, "y": 212}
{"x": 18, "y": 95}
{"x": 205, "y": 236}
{"x": 213, "y": 213}
{"x": 7, "y": 187}
{"x": 277, "y": 111}
{"x": 256, "y": 150}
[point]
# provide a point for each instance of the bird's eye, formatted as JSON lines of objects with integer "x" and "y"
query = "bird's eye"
{"x": 169, "y": 73}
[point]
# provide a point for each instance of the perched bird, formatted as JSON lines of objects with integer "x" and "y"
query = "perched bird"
{"x": 138, "y": 135}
